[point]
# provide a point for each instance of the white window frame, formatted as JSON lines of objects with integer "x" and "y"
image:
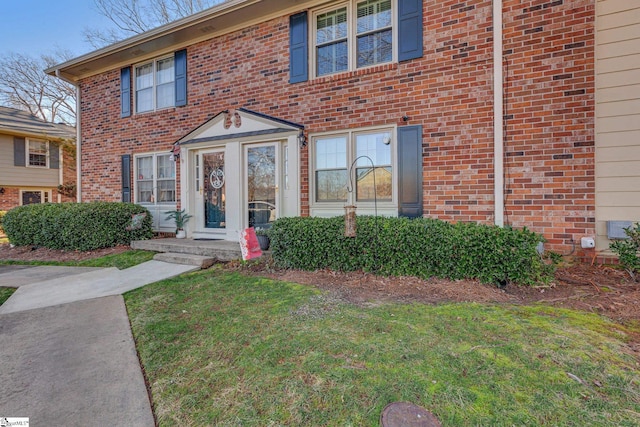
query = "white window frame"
{"x": 154, "y": 179}
{"x": 337, "y": 206}
{"x": 154, "y": 86}
{"x": 45, "y": 195}
{"x": 352, "y": 36}
{"x": 28, "y": 142}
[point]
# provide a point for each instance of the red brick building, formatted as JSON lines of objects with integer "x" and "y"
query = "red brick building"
{"x": 251, "y": 111}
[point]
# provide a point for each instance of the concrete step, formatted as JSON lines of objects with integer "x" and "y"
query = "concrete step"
{"x": 186, "y": 259}
{"x": 221, "y": 250}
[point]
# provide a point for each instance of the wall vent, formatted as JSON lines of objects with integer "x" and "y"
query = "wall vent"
{"x": 615, "y": 229}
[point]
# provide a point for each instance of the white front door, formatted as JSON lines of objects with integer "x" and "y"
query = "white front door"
{"x": 211, "y": 209}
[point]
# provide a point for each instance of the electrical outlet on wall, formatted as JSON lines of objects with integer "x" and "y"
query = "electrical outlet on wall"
{"x": 587, "y": 242}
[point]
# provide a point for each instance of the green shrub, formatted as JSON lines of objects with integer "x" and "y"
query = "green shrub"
{"x": 627, "y": 250}
{"x": 76, "y": 226}
{"x": 421, "y": 247}
{"x": 1, "y": 229}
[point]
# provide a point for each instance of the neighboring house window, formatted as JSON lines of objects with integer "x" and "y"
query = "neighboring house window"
{"x": 155, "y": 179}
{"x": 372, "y": 172}
{"x": 353, "y": 35}
{"x": 37, "y": 153}
{"x": 32, "y": 197}
{"x": 155, "y": 85}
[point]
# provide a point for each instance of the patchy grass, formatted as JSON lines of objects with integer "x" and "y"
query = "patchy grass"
{"x": 121, "y": 261}
{"x": 5, "y": 293}
{"x": 220, "y": 348}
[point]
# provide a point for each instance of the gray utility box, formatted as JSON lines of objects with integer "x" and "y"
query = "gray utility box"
{"x": 615, "y": 229}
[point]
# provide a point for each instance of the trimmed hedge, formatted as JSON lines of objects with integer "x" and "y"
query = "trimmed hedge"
{"x": 420, "y": 247}
{"x": 75, "y": 226}
{"x": 1, "y": 229}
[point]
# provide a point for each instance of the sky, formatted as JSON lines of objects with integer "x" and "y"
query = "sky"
{"x": 34, "y": 27}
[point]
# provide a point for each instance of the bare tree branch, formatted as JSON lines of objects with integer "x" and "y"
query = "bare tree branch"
{"x": 25, "y": 86}
{"x": 131, "y": 17}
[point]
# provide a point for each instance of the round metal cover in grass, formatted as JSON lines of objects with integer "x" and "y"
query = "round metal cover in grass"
{"x": 406, "y": 414}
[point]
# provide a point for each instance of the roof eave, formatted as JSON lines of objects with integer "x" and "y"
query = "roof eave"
{"x": 148, "y": 36}
{"x": 36, "y": 135}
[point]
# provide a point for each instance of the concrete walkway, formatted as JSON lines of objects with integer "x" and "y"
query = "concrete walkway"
{"x": 88, "y": 284}
{"x": 68, "y": 356}
{"x": 13, "y": 276}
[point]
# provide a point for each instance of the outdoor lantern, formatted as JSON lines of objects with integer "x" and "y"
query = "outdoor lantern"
{"x": 302, "y": 140}
{"x": 350, "y": 221}
{"x": 175, "y": 153}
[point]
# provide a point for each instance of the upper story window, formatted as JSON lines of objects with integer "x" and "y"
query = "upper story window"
{"x": 353, "y": 35}
{"x": 37, "y": 153}
{"x": 155, "y": 85}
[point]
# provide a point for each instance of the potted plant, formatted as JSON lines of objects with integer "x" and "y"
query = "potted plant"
{"x": 263, "y": 238}
{"x": 181, "y": 218}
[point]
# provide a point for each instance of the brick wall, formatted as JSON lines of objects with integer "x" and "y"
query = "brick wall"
{"x": 69, "y": 168}
{"x": 549, "y": 81}
{"x": 549, "y": 68}
{"x": 10, "y": 198}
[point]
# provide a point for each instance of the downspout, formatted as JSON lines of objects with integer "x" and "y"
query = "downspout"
{"x": 498, "y": 116}
{"x": 78, "y": 139}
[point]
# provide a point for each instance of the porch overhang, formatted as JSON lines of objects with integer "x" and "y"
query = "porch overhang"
{"x": 240, "y": 135}
{"x": 238, "y": 124}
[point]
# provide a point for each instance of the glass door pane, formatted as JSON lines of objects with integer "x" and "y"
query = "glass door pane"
{"x": 213, "y": 186}
{"x": 262, "y": 185}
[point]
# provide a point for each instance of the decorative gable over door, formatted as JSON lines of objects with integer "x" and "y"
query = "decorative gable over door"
{"x": 239, "y": 169}
{"x": 240, "y": 123}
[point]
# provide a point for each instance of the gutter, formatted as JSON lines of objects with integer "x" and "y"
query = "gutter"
{"x": 78, "y": 138}
{"x": 498, "y": 116}
{"x": 220, "y": 9}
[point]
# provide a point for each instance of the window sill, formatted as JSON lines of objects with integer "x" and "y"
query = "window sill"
{"x": 331, "y": 210}
{"x": 355, "y": 73}
{"x": 158, "y": 111}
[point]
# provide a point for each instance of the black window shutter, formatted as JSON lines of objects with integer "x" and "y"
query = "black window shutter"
{"x": 410, "y": 171}
{"x": 126, "y": 178}
{"x": 409, "y": 29}
{"x": 19, "y": 156}
{"x": 125, "y": 92}
{"x": 54, "y": 156}
{"x": 180, "y": 67}
{"x": 298, "y": 48}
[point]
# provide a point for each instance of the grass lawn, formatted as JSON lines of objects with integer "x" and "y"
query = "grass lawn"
{"x": 5, "y": 293}
{"x": 220, "y": 348}
{"x": 121, "y": 261}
